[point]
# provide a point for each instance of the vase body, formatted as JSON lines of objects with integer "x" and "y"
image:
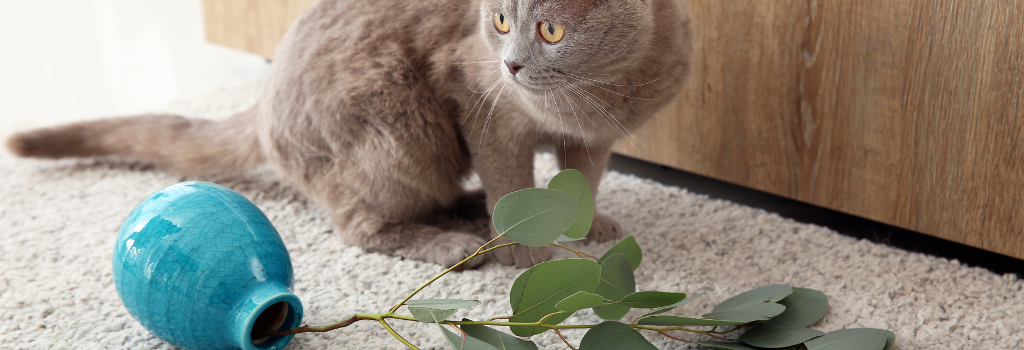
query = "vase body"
{"x": 200, "y": 267}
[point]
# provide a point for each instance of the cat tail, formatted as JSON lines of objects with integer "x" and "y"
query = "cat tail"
{"x": 183, "y": 145}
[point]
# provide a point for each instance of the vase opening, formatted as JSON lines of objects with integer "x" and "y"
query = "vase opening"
{"x": 277, "y": 317}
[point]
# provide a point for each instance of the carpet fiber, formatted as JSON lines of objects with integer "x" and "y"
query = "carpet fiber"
{"x": 58, "y": 221}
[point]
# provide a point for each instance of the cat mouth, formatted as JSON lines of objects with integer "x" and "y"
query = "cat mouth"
{"x": 536, "y": 86}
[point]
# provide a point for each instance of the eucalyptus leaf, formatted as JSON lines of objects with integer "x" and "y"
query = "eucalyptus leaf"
{"x": 565, "y": 239}
{"x": 443, "y": 304}
{"x": 627, "y": 247}
{"x": 611, "y": 335}
{"x": 617, "y": 281}
{"x": 537, "y": 290}
{"x": 580, "y": 301}
{"x": 852, "y": 339}
{"x": 431, "y": 315}
{"x": 437, "y": 310}
{"x": 534, "y": 216}
{"x": 670, "y": 320}
{"x": 575, "y": 184}
{"x": 803, "y": 308}
{"x": 748, "y": 312}
{"x": 725, "y": 345}
{"x": 499, "y": 340}
{"x": 468, "y": 343}
{"x": 890, "y": 337}
{"x": 673, "y": 306}
{"x": 774, "y": 337}
{"x": 651, "y": 299}
{"x": 766, "y": 294}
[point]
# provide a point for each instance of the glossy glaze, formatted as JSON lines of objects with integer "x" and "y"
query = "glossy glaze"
{"x": 196, "y": 263}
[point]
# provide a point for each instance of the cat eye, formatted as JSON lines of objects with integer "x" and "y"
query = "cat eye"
{"x": 551, "y": 32}
{"x": 501, "y": 23}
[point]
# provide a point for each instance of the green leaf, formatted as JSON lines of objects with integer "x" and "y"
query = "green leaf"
{"x": 611, "y": 335}
{"x": 673, "y": 306}
{"x": 534, "y": 216}
{"x": 651, "y": 299}
{"x": 724, "y": 345}
{"x": 580, "y": 301}
{"x": 775, "y": 337}
{"x": 536, "y": 291}
{"x": 852, "y": 339}
{"x": 670, "y": 320}
{"x": 754, "y": 305}
{"x": 627, "y": 247}
{"x": 573, "y": 183}
{"x": 766, "y": 294}
{"x": 564, "y": 239}
{"x": 499, "y": 340}
{"x": 748, "y": 312}
{"x": 617, "y": 281}
{"x": 468, "y": 343}
{"x": 437, "y": 310}
{"x": 890, "y": 337}
{"x": 430, "y": 315}
{"x": 803, "y": 308}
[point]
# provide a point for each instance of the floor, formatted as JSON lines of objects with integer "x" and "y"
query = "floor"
{"x": 70, "y": 60}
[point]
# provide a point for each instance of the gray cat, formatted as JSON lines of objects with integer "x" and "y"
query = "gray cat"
{"x": 379, "y": 109}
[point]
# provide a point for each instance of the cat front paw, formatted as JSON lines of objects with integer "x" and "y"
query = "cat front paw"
{"x": 452, "y": 248}
{"x": 605, "y": 229}
{"x": 521, "y": 255}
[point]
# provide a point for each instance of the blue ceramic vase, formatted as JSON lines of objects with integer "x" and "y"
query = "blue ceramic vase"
{"x": 201, "y": 267}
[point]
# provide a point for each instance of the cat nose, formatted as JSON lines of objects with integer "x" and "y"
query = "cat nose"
{"x": 513, "y": 67}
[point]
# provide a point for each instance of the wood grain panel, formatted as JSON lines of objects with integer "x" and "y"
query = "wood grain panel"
{"x": 904, "y": 112}
{"x": 251, "y": 25}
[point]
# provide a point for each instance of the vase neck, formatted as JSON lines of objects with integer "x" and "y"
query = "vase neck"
{"x": 268, "y": 308}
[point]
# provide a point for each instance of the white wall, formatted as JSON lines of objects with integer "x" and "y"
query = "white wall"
{"x": 69, "y": 60}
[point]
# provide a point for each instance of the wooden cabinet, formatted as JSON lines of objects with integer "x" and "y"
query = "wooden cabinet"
{"x": 908, "y": 112}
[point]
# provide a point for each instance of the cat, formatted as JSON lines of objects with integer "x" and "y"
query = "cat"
{"x": 378, "y": 110}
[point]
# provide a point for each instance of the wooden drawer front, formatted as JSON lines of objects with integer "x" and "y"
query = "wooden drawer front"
{"x": 904, "y": 112}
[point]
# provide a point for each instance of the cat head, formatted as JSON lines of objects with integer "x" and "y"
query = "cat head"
{"x": 545, "y": 43}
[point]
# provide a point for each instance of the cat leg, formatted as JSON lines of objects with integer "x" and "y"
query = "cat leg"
{"x": 443, "y": 243}
{"x": 505, "y": 164}
{"x": 592, "y": 160}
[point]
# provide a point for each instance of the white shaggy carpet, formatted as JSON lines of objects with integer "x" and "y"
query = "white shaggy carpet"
{"x": 58, "y": 221}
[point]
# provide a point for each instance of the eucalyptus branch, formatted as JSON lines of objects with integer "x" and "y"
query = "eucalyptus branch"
{"x": 320, "y": 329}
{"x": 564, "y": 340}
{"x": 548, "y": 293}
{"x": 578, "y": 253}
{"x": 674, "y": 338}
{"x": 432, "y": 280}
{"x": 397, "y": 336}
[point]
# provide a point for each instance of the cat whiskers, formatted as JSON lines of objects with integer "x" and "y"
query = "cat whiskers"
{"x": 489, "y": 113}
{"x": 613, "y": 84}
{"x": 585, "y": 81}
{"x": 480, "y": 102}
{"x": 561, "y": 124}
{"x": 481, "y": 84}
{"x": 583, "y": 135}
{"x": 609, "y": 118}
{"x": 474, "y": 62}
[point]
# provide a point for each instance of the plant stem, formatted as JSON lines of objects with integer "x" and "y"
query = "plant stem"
{"x": 320, "y": 329}
{"x": 578, "y": 253}
{"x": 397, "y": 336}
{"x": 478, "y": 253}
{"x": 488, "y": 243}
{"x": 674, "y": 338}
{"x": 564, "y": 340}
